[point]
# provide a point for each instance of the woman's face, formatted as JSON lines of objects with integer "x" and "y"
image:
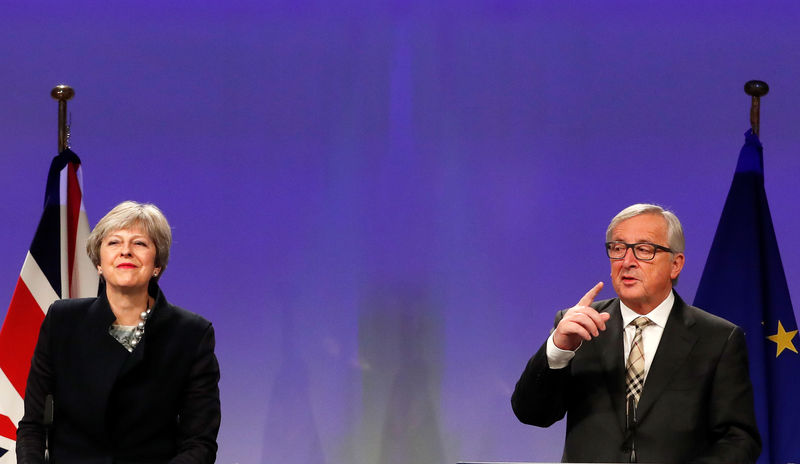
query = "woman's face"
{"x": 127, "y": 259}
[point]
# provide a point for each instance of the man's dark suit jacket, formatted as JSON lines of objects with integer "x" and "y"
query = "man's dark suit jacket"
{"x": 158, "y": 404}
{"x": 696, "y": 406}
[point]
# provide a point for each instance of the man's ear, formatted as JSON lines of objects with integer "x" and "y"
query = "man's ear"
{"x": 677, "y": 265}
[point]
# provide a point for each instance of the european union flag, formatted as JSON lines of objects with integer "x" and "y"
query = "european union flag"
{"x": 743, "y": 281}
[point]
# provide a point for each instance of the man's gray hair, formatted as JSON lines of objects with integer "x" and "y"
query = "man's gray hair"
{"x": 674, "y": 229}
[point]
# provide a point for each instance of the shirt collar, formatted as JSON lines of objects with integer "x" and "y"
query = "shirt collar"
{"x": 658, "y": 315}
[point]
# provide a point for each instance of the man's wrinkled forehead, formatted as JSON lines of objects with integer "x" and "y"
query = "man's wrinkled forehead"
{"x": 645, "y": 227}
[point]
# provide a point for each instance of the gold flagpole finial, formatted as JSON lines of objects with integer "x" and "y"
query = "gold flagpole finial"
{"x": 62, "y": 93}
{"x": 755, "y": 89}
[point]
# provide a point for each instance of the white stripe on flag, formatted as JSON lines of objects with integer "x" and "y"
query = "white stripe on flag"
{"x": 84, "y": 276}
{"x": 10, "y": 402}
{"x": 37, "y": 283}
{"x": 63, "y": 233}
{"x": 11, "y": 456}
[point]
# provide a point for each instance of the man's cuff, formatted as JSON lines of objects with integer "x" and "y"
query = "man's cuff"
{"x": 556, "y": 357}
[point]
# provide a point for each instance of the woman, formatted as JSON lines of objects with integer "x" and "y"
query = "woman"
{"x": 134, "y": 379}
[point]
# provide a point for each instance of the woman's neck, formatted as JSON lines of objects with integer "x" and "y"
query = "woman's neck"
{"x": 127, "y": 304}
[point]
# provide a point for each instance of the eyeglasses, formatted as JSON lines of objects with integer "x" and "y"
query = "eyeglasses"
{"x": 643, "y": 251}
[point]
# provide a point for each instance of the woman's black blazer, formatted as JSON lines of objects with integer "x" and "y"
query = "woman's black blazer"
{"x": 158, "y": 404}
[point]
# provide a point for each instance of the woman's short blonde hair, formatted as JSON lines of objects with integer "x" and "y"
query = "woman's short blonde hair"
{"x": 129, "y": 214}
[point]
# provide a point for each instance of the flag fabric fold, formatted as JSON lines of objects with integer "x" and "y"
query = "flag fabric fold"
{"x": 744, "y": 282}
{"x": 56, "y": 266}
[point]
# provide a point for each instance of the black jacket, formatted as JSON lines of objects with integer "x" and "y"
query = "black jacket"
{"x": 158, "y": 404}
{"x": 696, "y": 406}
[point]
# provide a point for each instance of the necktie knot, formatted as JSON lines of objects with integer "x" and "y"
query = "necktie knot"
{"x": 640, "y": 322}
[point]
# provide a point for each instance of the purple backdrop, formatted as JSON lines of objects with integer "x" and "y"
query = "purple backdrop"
{"x": 382, "y": 206}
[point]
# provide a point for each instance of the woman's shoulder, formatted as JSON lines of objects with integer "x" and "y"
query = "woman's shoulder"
{"x": 188, "y": 317}
{"x": 175, "y": 317}
{"x": 181, "y": 327}
{"x": 71, "y": 306}
{"x": 182, "y": 318}
{"x": 75, "y": 313}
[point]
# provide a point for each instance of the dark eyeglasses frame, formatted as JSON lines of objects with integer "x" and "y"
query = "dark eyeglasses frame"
{"x": 632, "y": 246}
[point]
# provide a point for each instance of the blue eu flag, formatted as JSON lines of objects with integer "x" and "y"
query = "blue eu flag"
{"x": 743, "y": 281}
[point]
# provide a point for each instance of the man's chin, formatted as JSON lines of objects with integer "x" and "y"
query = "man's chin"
{"x": 629, "y": 288}
{"x": 631, "y": 297}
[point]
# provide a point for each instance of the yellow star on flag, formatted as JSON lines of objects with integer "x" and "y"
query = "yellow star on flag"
{"x": 783, "y": 339}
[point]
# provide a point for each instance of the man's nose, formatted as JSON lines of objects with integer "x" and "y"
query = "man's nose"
{"x": 629, "y": 260}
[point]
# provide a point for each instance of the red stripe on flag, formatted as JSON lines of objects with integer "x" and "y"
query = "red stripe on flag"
{"x": 18, "y": 336}
{"x": 7, "y": 428}
{"x": 73, "y": 215}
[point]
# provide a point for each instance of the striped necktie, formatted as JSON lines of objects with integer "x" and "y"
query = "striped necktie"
{"x": 634, "y": 377}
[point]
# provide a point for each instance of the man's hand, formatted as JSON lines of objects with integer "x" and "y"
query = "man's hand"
{"x": 580, "y": 322}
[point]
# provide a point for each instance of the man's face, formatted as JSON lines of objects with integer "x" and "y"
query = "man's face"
{"x": 642, "y": 285}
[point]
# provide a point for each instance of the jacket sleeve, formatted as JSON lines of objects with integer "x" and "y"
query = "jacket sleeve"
{"x": 200, "y": 414}
{"x": 539, "y": 396}
{"x": 30, "y": 433}
{"x": 732, "y": 419}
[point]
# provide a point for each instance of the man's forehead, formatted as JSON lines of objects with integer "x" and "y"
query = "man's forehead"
{"x": 642, "y": 227}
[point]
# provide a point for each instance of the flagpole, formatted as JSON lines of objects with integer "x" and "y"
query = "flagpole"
{"x": 62, "y": 93}
{"x": 755, "y": 89}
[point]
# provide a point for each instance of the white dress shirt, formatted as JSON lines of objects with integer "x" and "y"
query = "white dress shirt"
{"x": 651, "y": 335}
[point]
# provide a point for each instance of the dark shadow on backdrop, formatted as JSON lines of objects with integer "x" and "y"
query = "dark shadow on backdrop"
{"x": 400, "y": 344}
{"x": 290, "y": 432}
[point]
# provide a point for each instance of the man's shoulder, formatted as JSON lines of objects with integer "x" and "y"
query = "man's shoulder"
{"x": 600, "y": 306}
{"x": 605, "y": 305}
{"x": 706, "y": 320}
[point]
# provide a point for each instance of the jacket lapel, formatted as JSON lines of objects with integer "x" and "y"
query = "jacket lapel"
{"x": 676, "y": 343}
{"x": 613, "y": 362}
{"x": 159, "y": 313}
{"x": 102, "y": 356}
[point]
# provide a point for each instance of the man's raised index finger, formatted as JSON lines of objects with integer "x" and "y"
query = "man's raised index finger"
{"x": 590, "y": 295}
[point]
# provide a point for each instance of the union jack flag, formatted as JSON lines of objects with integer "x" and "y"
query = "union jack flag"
{"x": 55, "y": 267}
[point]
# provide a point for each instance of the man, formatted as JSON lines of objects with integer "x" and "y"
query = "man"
{"x": 643, "y": 377}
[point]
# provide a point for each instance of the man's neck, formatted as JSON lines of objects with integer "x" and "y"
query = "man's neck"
{"x": 645, "y": 308}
